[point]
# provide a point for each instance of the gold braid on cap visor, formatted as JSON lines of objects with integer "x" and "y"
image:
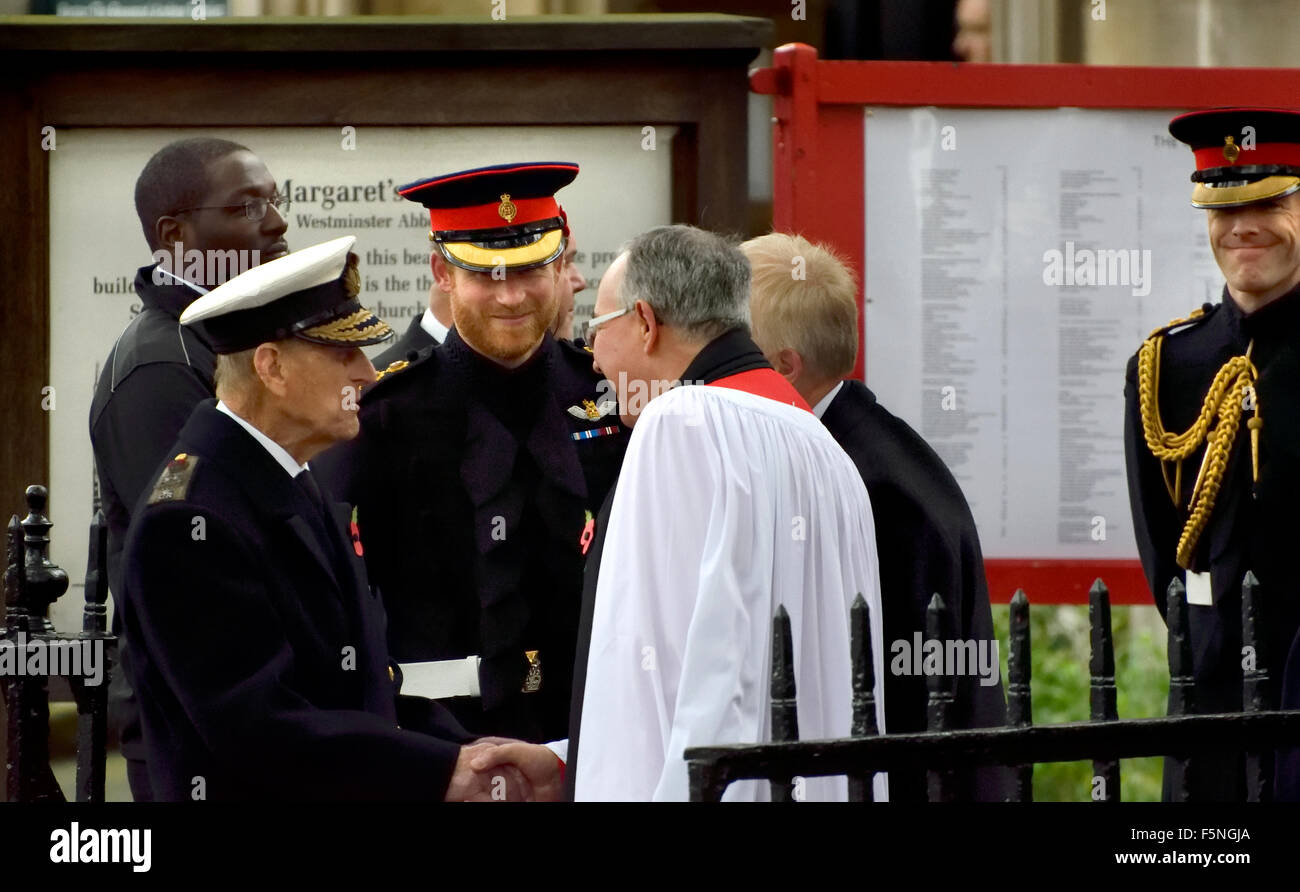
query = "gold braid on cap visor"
{"x": 538, "y": 253}
{"x": 1206, "y": 196}
{"x": 1216, "y": 426}
{"x": 360, "y": 325}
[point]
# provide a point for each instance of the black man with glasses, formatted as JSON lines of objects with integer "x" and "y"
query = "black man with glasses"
{"x": 209, "y": 210}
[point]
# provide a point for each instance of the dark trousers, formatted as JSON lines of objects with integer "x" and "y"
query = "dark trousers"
{"x": 137, "y": 775}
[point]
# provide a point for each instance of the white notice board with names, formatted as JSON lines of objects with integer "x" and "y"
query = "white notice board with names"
{"x": 1014, "y": 260}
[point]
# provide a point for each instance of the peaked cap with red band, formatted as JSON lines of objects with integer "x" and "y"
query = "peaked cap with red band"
{"x": 500, "y": 216}
{"x": 1243, "y": 155}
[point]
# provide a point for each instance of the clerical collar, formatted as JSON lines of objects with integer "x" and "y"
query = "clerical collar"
{"x": 825, "y": 402}
{"x": 730, "y": 353}
{"x": 277, "y": 452}
{"x": 435, "y": 329}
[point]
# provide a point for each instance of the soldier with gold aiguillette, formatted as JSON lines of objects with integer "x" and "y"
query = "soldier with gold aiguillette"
{"x": 1212, "y": 430}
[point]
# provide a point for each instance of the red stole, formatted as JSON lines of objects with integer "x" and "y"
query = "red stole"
{"x": 766, "y": 383}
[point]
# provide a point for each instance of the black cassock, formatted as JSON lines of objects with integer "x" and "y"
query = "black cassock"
{"x": 412, "y": 341}
{"x": 927, "y": 543}
{"x": 1256, "y": 533}
{"x": 258, "y": 649}
{"x": 474, "y": 485}
{"x": 155, "y": 375}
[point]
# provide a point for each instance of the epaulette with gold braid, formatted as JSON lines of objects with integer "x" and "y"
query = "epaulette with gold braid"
{"x": 1197, "y": 315}
{"x": 391, "y": 369}
{"x": 1231, "y": 393}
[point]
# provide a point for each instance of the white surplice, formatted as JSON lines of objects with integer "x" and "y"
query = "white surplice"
{"x": 728, "y": 505}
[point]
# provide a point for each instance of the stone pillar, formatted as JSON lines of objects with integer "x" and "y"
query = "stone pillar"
{"x": 1199, "y": 33}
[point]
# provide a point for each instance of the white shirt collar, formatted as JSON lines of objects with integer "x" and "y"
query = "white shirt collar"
{"x": 186, "y": 282}
{"x": 278, "y": 452}
{"x": 436, "y": 329}
{"x": 825, "y": 402}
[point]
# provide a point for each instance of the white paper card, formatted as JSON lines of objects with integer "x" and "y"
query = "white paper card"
{"x": 1198, "y": 589}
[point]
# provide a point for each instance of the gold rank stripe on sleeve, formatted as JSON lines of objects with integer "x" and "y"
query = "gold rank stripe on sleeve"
{"x": 1216, "y": 426}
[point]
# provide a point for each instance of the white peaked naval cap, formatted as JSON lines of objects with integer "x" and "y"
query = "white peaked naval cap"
{"x": 309, "y": 294}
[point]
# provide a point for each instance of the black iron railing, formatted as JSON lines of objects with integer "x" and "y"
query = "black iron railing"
{"x": 1104, "y": 739}
{"x": 32, "y": 583}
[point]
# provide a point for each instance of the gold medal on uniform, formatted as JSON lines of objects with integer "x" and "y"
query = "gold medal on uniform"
{"x": 533, "y": 681}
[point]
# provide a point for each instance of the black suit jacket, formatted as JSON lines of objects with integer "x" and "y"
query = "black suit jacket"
{"x": 926, "y": 543}
{"x": 412, "y": 341}
{"x": 152, "y": 379}
{"x": 259, "y": 655}
{"x": 473, "y": 494}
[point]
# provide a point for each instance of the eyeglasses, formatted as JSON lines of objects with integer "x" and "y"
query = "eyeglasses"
{"x": 591, "y": 326}
{"x": 254, "y": 208}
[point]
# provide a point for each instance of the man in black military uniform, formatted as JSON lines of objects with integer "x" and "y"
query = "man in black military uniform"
{"x": 481, "y": 461}
{"x": 258, "y": 649}
{"x": 926, "y": 538}
{"x": 1212, "y": 432}
{"x": 200, "y": 194}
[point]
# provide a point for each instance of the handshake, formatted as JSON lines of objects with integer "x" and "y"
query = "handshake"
{"x": 495, "y": 769}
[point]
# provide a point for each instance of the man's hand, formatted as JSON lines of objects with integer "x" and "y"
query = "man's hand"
{"x": 506, "y": 783}
{"x": 539, "y": 765}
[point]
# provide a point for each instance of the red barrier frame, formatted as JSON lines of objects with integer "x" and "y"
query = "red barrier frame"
{"x": 817, "y": 188}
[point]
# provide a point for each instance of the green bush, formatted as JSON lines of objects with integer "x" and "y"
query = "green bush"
{"x": 1060, "y": 649}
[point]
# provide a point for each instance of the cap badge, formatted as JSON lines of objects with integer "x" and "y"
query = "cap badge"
{"x": 533, "y": 681}
{"x": 507, "y": 208}
{"x": 1230, "y": 150}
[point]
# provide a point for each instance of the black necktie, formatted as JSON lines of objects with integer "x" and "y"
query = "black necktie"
{"x": 306, "y": 481}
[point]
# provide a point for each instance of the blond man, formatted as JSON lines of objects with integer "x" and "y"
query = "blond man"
{"x": 804, "y": 314}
